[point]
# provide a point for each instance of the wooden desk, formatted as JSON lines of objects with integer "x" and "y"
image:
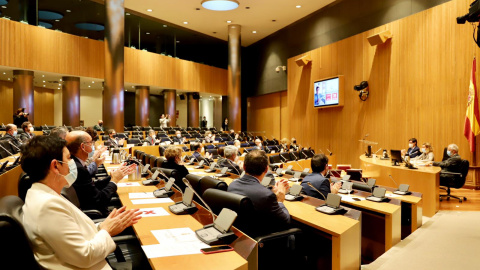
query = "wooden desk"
{"x": 343, "y": 231}
{"x": 425, "y": 180}
{"x": 244, "y": 246}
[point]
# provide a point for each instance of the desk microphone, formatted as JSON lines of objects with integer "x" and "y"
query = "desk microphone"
{"x": 396, "y": 184}
{"x": 18, "y": 149}
{"x": 321, "y": 151}
{"x": 297, "y": 161}
{"x": 310, "y": 185}
{"x": 329, "y": 152}
{"x": 377, "y": 151}
{"x": 6, "y": 150}
{"x": 306, "y": 157}
{"x": 185, "y": 181}
{"x": 233, "y": 165}
{"x": 284, "y": 159}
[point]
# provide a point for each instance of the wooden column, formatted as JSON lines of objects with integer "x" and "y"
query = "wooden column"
{"x": 193, "y": 111}
{"x": 234, "y": 77}
{"x": 113, "y": 99}
{"x": 170, "y": 97}
{"x": 23, "y": 92}
{"x": 71, "y": 101}
{"x": 142, "y": 105}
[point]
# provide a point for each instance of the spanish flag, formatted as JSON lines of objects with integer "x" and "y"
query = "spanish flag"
{"x": 472, "y": 127}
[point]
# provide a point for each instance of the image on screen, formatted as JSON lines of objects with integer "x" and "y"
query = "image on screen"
{"x": 325, "y": 92}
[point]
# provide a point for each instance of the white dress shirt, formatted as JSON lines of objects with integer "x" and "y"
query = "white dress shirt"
{"x": 62, "y": 236}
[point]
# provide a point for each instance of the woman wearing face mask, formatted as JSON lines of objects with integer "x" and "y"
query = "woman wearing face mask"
{"x": 173, "y": 154}
{"x": 61, "y": 235}
{"x": 427, "y": 153}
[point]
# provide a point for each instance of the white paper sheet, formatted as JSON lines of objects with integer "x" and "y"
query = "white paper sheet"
{"x": 153, "y": 212}
{"x": 391, "y": 195}
{"x": 141, "y": 195}
{"x": 128, "y": 184}
{"x": 174, "y": 242}
{"x": 149, "y": 201}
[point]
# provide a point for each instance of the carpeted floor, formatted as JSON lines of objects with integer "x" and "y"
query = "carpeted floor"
{"x": 449, "y": 240}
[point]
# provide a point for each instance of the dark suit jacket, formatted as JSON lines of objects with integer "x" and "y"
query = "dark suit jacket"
{"x": 230, "y": 165}
{"x": 414, "y": 152}
{"x": 319, "y": 182}
{"x": 204, "y": 123}
{"x": 25, "y": 137}
{"x": 269, "y": 215}
{"x": 179, "y": 140}
{"x": 97, "y": 127}
{"x": 14, "y": 140}
{"x": 452, "y": 164}
{"x": 93, "y": 194}
{"x": 113, "y": 142}
{"x": 149, "y": 140}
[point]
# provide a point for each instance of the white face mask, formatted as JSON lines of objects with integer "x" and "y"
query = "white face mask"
{"x": 424, "y": 150}
{"x": 73, "y": 173}
{"x": 31, "y": 129}
{"x": 153, "y": 137}
{"x": 410, "y": 145}
{"x": 179, "y": 135}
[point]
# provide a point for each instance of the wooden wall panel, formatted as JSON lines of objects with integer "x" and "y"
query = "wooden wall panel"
{"x": 43, "y": 102}
{"x": 263, "y": 115}
{"x": 418, "y": 88}
{"x": 34, "y": 48}
{"x": 6, "y": 99}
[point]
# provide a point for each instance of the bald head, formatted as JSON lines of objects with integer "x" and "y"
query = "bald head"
{"x": 75, "y": 139}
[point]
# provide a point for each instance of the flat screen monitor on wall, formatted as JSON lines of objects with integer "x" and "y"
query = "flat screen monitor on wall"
{"x": 328, "y": 92}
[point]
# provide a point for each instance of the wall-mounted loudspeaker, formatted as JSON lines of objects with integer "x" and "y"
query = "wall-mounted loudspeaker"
{"x": 379, "y": 38}
{"x": 182, "y": 97}
{"x": 303, "y": 61}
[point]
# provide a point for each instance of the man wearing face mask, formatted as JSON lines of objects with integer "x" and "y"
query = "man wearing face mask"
{"x": 11, "y": 135}
{"x": 413, "y": 150}
{"x": 27, "y": 132}
{"x": 198, "y": 149}
{"x": 452, "y": 164}
{"x": 92, "y": 194}
{"x": 178, "y": 138}
{"x": 150, "y": 140}
{"x": 61, "y": 235}
{"x": 99, "y": 126}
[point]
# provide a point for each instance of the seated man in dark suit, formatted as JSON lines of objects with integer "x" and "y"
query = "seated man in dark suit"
{"x": 27, "y": 132}
{"x": 150, "y": 140}
{"x": 178, "y": 138}
{"x": 452, "y": 164}
{"x": 317, "y": 178}
{"x": 92, "y": 194}
{"x": 197, "y": 150}
{"x": 173, "y": 154}
{"x": 230, "y": 153}
{"x": 11, "y": 137}
{"x": 270, "y": 214}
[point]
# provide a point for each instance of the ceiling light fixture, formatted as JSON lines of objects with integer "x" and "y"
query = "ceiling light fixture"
{"x": 148, "y": 33}
{"x": 220, "y": 5}
{"x": 298, "y": 6}
{"x": 68, "y": 10}
{"x": 254, "y": 32}
{"x": 128, "y": 14}
{"x": 185, "y": 22}
{"x": 149, "y": 10}
{"x": 229, "y": 21}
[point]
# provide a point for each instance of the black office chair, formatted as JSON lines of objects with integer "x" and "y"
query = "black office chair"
{"x": 143, "y": 157}
{"x": 71, "y": 195}
{"x": 135, "y": 141}
{"x": 445, "y": 156}
{"x": 153, "y": 161}
{"x": 161, "y": 151}
{"x": 174, "y": 173}
{"x": 209, "y": 182}
{"x": 24, "y": 184}
{"x": 194, "y": 181}
{"x": 285, "y": 157}
{"x": 214, "y": 153}
{"x": 271, "y": 246}
{"x": 454, "y": 180}
{"x": 16, "y": 248}
{"x": 159, "y": 161}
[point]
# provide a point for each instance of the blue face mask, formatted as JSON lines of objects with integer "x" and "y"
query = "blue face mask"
{"x": 14, "y": 133}
{"x": 449, "y": 153}
{"x": 91, "y": 153}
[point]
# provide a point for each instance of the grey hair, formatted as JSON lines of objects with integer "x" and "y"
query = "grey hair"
{"x": 454, "y": 147}
{"x": 230, "y": 151}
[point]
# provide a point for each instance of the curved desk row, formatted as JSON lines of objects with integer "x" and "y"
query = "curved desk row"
{"x": 425, "y": 180}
